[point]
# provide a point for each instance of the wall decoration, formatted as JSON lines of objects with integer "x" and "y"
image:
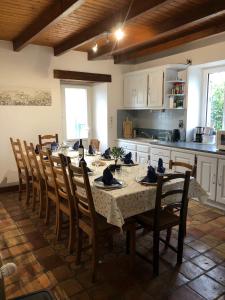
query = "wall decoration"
{"x": 25, "y": 96}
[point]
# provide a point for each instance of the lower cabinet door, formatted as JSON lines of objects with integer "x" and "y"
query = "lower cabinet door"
{"x": 207, "y": 175}
{"x": 142, "y": 158}
{"x": 220, "y": 195}
{"x": 182, "y": 157}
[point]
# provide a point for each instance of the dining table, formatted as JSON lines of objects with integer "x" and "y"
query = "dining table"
{"x": 132, "y": 198}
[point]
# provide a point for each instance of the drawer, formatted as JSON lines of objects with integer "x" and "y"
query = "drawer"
{"x": 128, "y": 146}
{"x": 160, "y": 152}
{"x": 165, "y": 159}
{"x": 143, "y": 148}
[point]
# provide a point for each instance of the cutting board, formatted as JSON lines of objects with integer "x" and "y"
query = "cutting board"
{"x": 127, "y": 129}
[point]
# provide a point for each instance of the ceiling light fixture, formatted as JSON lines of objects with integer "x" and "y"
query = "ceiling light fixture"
{"x": 119, "y": 34}
{"x": 95, "y": 48}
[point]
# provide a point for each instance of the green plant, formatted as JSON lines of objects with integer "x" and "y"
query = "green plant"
{"x": 117, "y": 152}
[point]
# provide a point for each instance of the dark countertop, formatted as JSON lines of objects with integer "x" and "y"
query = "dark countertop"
{"x": 191, "y": 146}
{"x": 182, "y": 145}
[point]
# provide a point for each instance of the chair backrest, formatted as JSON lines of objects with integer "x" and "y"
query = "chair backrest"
{"x": 33, "y": 162}
{"x": 184, "y": 165}
{"x": 81, "y": 189}
{"x": 19, "y": 156}
{"x": 95, "y": 143}
{"x": 61, "y": 180}
{"x": 46, "y": 168}
{"x": 47, "y": 139}
{"x": 160, "y": 195}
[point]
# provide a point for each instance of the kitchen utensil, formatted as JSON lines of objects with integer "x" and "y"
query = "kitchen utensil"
{"x": 127, "y": 129}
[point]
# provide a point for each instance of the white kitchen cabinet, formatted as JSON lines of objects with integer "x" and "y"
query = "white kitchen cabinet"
{"x": 207, "y": 175}
{"x": 188, "y": 158}
{"x": 135, "y": 90}
{"x": 142, "y": 157}
{"x": 220, "y": 194}
{"x": 155, "y": 88}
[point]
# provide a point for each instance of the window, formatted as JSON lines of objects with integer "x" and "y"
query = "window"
{"x": 215, "y": 108}
{"x": 76, "y": 112}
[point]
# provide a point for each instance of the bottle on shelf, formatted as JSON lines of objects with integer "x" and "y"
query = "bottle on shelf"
{"x": 81, "y": 149}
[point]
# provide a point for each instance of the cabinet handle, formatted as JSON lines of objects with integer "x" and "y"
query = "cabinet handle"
{"x": 214, "y": 179}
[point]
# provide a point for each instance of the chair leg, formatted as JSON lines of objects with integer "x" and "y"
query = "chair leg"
{"x": 47, "y": 212}
{"x": 27, "y": 192}
{"x": 41, "y": 199}
{"x": 59, "y": 224}
{"x": 71, "y": 234}
{"x": 35, "y": 192}
{"x": 156, "y": 253}
{"x": 180, "y": 244}
{"x": 94, "y": 260}
{"x": 132, "y": 246}
{"x": 20, "y": 189}
{"x": 79, "y": 245}
{"x": 168, "y": 236}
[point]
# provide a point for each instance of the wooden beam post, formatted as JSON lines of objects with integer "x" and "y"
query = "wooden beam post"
{"x": 58, "y": 10}
{"x": 81, "y": 76}
{"x": 138, "y": 7}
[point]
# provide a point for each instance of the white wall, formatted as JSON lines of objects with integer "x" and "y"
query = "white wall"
{"x": 100, "y": 114}
{"x": 33, "y": 67}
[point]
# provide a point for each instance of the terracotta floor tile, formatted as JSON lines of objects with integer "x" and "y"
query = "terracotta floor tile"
{"x": 62, "y": 273}
{"x": 190, "y": 252}
{"x": 71, "y": 286}
{"x": 196, "y": 233}
{"x": 218, "y": 274}
{"x": 215, "y": 255}
{"x": 190, "y": 270}
{"x": 207, "y": 287}
{"x": 51, "y": 262}
{"x": 199, "y": 246}
{"x": 184, "y": 293}
{"x": 204, "y": 262}
{"x": 17, "y": 250}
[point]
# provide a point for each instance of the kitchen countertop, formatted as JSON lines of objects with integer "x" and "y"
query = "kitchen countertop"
{"x": 182, "y": 145}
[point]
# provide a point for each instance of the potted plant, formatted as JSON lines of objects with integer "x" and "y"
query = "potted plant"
{"x": 116, "y": 152}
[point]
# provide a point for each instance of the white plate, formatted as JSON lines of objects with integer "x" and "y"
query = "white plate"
{"x": 139, "y": 178}
{"x": 101, "y": 185}
{"x": 129, "y": 165}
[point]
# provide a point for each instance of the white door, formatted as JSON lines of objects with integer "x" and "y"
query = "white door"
{"x": 155, "y": 89}
{"x": 206, "y": 175}
{"x": 142, "y": 158}
{"x": 220, "y": 195}
{"x": 182, "y": 157}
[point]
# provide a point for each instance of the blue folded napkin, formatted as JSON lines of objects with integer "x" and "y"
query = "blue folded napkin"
{"x": 54, "y": 146}
{"x": 160, "y": 168}
{"x": 90, "y": 150}
{"x": 127, "y": 159}
{"x": 76, "y": 146}
{"x": 151, "y": 176}
{"x": 107, "y": 178}
{"x": 107, "y": 153}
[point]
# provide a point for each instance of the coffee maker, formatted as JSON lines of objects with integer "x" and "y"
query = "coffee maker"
{"x": 198, "y": 134}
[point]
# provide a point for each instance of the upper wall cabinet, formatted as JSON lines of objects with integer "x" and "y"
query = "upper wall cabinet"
{"x": 135, "y": 90}
{"x": 155, "y": 89}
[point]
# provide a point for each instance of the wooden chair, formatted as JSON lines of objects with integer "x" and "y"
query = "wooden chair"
{"x": 95, "y": 143}
{"x": 51, "y": 196}
{"x": 192, "y": 168}
{"x": 65, "y": 199}
{"x": 47, "y": 139}
{"x": 161, "y": 218}
{"x": 38, "y": 185}
{"x": 23, "y": 172}
{"x": 89, "y": 222}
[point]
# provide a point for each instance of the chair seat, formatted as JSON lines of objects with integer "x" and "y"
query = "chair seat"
{"x": 166, "y": 219}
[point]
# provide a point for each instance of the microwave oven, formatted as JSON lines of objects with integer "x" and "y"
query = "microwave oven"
{"x": 220, "y": 140}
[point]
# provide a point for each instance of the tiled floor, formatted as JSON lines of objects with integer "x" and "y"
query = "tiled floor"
{"x": 45, "y": 263}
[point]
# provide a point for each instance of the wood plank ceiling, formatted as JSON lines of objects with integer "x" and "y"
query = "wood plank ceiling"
{"x": 150, "y": 26}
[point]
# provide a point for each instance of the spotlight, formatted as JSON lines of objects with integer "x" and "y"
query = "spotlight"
{"x": 119, "y": 34}
{"x": 95, "y": 48}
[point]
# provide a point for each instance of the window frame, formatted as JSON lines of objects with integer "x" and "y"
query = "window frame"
{"x": 89, "y": 109}
{"x": 206, "y": 73}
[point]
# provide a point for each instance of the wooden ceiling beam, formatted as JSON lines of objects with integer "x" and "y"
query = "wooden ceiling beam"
{"x": 179, "y": 24}
{"x": 58, "y": 10}
{"x": 138, "y": 8}
{"x": 172, "y": 43}
{"x": 81, "y": 76}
